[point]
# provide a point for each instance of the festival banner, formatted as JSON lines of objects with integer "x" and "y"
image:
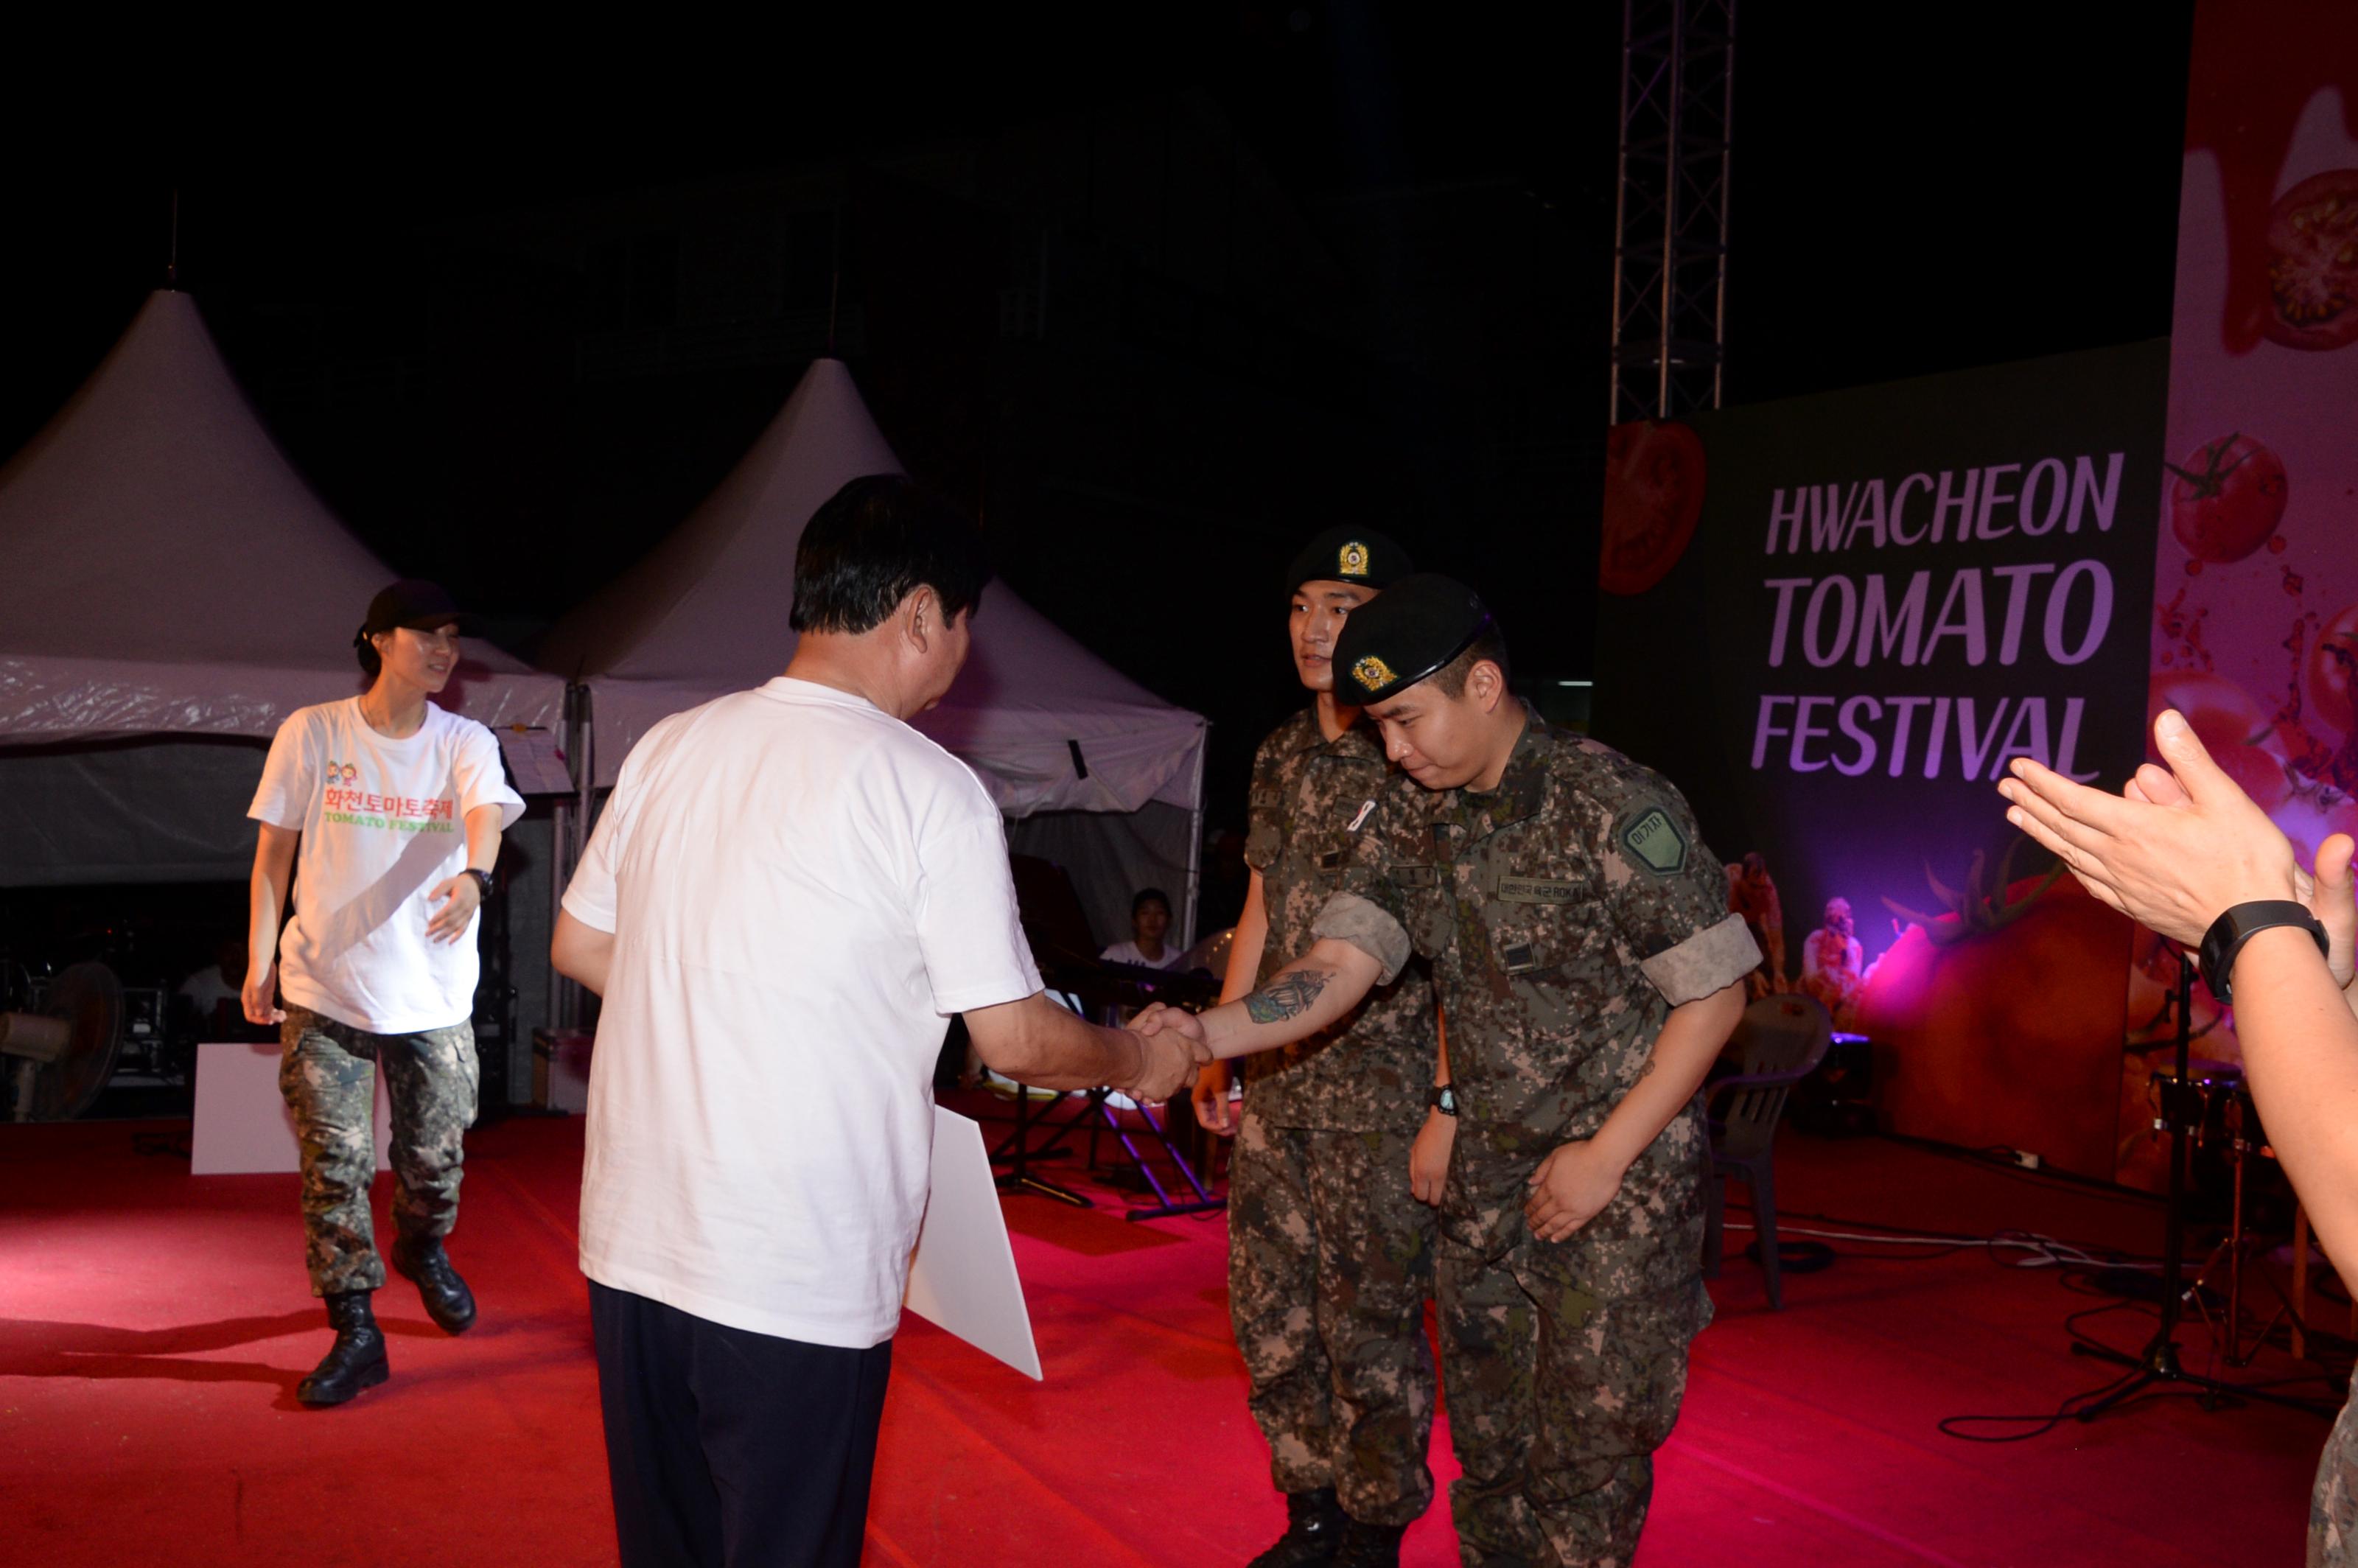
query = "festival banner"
{"x": 1831, "y": 621}
{"x": 2255, "y": 634}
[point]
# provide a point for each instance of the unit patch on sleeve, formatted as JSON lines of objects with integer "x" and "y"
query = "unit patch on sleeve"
{"x": 1652, "y": 840}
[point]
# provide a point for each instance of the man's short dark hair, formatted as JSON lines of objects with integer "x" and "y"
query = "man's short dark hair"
{"x": 371, "y": 663}
{"x": 1145, "y": 896}
{"x": 1490, "y": 644}
{"x": 876, "y": 541}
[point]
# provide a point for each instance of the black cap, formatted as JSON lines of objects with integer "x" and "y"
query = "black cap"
{"x": 415, "y": 603}
{"x": 1418, "y": 624}
{"x": 1350, "y": 555}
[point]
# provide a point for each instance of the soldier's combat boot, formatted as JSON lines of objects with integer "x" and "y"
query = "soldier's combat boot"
{"x": 1368, "y": 1545}
{"x": 1314, "y": 1526}
{"x": 355, "y": 1361}
{"x": 448, "y": 1300}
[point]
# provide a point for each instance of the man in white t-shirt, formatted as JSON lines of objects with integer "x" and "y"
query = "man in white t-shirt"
{"x": 789, "y": 894}
{"x": 387, "y": 812}
{"x": 1150, "y": 924}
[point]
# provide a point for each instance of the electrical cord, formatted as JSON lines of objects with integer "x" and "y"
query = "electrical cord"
{"x": 2044, "y": 1251}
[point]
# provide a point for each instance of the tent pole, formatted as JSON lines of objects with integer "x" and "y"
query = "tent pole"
{"x": 1195, "y": 840}
{"x": 586, "y": 783}
{"x": 559, "y": 990}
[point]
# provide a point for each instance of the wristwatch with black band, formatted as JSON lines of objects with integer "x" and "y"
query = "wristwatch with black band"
{"x": 2240, "y": 924}
{"x": 483, "y": 883}
{"x": 1443, "y": 1099}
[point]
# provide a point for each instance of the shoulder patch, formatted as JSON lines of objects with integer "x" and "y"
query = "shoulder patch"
{"x": 1652, "y": 840}
{"x": 1360, "y": 815}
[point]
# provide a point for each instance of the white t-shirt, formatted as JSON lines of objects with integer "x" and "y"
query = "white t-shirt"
{"x": 384, "y": 824}
{"x": 1128, "y": 952}
{"x": 802, "y": 890}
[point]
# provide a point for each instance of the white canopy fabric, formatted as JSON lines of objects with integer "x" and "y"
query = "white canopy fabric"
{"x": 706, "y": 613}
{"x": 1048, "y": 726}
{"x": 167, "y": 572}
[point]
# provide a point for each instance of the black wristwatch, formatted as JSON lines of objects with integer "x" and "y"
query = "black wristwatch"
{"x": 1443, "y": 1099}
{"x": 2240, "y": 924}
{"x": 483, "y": 883}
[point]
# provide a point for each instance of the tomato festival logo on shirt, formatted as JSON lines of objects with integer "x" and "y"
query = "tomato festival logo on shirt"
{"x": 399, "y": 812}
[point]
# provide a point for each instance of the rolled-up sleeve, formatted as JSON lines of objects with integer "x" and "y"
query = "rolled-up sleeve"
{"x": 1711, "y": 960}
{"x": 1370, "y": 927}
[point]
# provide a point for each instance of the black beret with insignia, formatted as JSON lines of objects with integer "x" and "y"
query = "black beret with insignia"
{"x": 1350, "y": 555}
{"x": 1419, "y": 624}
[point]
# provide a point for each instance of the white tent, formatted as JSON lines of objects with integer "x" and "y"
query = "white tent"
{"x": 1094, "y": 772}
{"x": 170, "y": 590}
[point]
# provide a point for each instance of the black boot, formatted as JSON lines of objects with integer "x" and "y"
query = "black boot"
{"x": 1369, "y": 1545}
{"x": 355, "y": 1361}
{"x": 448, "y": 1300}
{"x": 1314, "y": 1525}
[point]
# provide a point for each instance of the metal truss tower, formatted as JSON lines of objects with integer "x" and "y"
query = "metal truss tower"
{"x": 1670, "y": 229}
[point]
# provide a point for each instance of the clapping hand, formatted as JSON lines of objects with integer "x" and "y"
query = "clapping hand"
{"x": 2176, "y": 847}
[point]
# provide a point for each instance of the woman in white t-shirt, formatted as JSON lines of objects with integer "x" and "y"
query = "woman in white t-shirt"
{"x": 1150, "y": 924}
{"x": 387, "y": 811}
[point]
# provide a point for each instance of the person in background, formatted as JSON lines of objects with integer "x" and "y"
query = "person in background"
{"x": 219, "y": 984}
{"x": 1149, "y": 923}
{"x": 2187, "y": 853}
{"x": 385, "y": 810}
{"x": 1833, "y": 965}
{"x": 1343, "y": 1143}
{"x": 1590, "y": 973}
{"x": 1753, "y": 894}
{"x": 789, "y": 894}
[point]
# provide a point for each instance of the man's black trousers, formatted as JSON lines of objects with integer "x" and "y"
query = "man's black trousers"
{"x": 732, "y": 1449}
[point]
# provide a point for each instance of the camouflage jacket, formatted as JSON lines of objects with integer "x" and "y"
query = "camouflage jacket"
{"x": 1305, "y": 788}
{"x": 1564, "y": 914}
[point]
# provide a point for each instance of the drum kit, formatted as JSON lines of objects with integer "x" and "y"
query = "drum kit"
{"x": 2203, "y": 1107}
{"x": 2214, "y": 1105}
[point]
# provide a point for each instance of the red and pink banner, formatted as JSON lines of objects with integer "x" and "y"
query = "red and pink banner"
{"x": 2256, "y": 582}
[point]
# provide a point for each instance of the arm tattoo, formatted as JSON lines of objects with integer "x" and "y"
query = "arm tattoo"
{"x": 1287, "y": 996}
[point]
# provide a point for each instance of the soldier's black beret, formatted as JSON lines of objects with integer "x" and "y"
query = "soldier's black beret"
{"x": 1419, "y": 624}
{"x": 1350, "y": 555}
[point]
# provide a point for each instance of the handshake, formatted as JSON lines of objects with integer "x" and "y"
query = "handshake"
{"x": 1170, "y": 1050}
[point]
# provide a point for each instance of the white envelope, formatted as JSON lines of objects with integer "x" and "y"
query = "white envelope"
{"x": 963, "y": 1276}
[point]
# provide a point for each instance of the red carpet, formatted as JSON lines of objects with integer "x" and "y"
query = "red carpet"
{"x": 153, "y": 1327}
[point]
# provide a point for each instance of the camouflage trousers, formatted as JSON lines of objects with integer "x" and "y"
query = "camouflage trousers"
{"x": 1330, "y": 1259}
{"x": 1558, "y": 1398}
{"x": 326, "y": 1072}
{"x": 2334, "y": 1502}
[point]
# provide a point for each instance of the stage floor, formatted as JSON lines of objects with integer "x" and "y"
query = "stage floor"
{"x": 153, "y": 1327}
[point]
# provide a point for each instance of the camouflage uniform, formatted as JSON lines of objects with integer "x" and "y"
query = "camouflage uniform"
{"x": 326, "y": 1077}
{"x": 2333, "y": 1503}
{"x": 1564, "y": 914}
{"x": 1330, "y": 1257}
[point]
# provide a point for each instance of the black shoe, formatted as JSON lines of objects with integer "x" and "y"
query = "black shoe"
{"x": 448, "y": 1300}
{"x": 1368, "y": 1545}
{"x": 1314, "y": 1527}
{"x": 355, "y": 1361}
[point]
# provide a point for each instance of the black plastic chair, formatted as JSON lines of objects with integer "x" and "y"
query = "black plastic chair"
{"x": 1779, "y": 1042}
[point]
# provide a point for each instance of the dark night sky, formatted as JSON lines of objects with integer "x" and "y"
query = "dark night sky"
{"x": 1917, "y": 189}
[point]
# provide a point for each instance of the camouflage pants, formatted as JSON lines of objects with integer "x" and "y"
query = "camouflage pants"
{"x": 328, "y": 1073}
{"x": 1329, "y": 1262}
{"x": 2334, "y": 1502}
{"x": 1557, "y": 1399}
